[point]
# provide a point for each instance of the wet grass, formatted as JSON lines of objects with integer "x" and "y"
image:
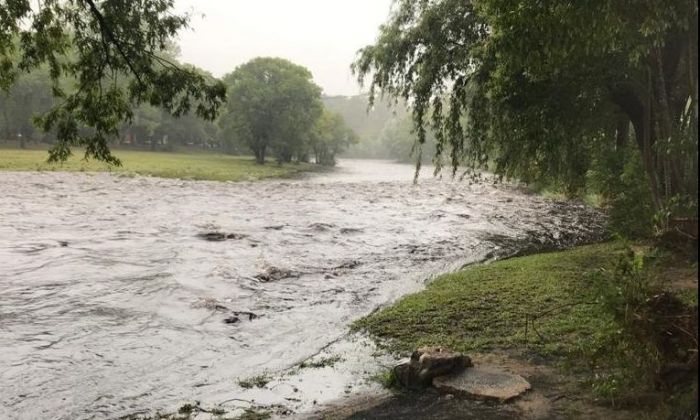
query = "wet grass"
{"x": 192, "y": 411}
{"x": 544, "y": 303}
{"x": 192, "y": 166}
{"x": 320, "y": 363}
{"x": 254, "y": 382}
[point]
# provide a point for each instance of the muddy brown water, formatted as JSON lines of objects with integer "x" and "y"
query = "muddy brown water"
{"x": 112, "y": 303}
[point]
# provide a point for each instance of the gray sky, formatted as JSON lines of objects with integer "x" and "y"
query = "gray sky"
{"x": 322, "y": 35}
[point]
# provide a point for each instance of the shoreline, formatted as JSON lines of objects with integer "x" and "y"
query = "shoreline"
{"x": 559, "y": 390}
{"x": 166, "y": 165}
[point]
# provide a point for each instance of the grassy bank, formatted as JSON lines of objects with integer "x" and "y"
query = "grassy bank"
{"x": 486, "y": 307}
{"x": 573, "y": 310}
{"x": 194, "y": 166}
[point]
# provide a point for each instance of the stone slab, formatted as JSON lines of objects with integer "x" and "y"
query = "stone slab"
{"x": 483, "y": 383}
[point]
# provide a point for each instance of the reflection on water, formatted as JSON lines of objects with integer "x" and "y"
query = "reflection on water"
{"x": 111, "y": 302}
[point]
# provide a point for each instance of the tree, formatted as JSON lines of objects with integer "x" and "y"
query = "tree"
{"x": 98, "y": 45}
{"x": 398, "y": 140}
{"x": 273, "y": 104}
{"x": 28, "y": 97}
{"x": 368, "y": 123}
{"x": 330, "y": 137}
{"x": 536, "y": 86}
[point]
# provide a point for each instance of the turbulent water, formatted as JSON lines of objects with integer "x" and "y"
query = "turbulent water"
{"x": 112, "y": 302}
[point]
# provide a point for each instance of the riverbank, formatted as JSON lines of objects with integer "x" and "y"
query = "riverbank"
{"x": 190, "y": 166}
{"x": 553, "y": 318}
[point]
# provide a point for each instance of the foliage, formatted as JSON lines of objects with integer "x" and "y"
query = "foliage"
{"x": 369, "y": 123}
{"x": 29, "y": 96}
{"x": 656, "y": 328}
{"x": 273, "y": 104}
{"x": 618, "y": 176}
{"x": 387, "y": 379}
{"x": 398, "y": 140}
{"x": 112, "y": 52}
{"x": 535, "y": 86}
{"x": 330, "y": 137}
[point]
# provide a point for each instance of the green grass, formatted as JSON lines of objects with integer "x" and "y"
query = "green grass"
{"x": 487, "y": 307}
{"x": 320, "y": 363}
{"x": 194, "y": 166}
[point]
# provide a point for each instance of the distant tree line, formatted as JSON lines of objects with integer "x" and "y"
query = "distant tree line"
{"x": 273, "y": 109}
{"x": 385, "y": 129}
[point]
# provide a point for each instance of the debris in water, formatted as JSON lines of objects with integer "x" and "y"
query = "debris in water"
{"x": 321, "y": 227}
{"x": 209, "y": 303}
{"x": 220, "y": 236}
{"x": 347, "y": 231}
{"x": 272, "y": 273}
{"x": 236, "y": 317}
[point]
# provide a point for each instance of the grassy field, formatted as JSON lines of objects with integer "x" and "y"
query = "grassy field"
{"x": 194, "y": 166}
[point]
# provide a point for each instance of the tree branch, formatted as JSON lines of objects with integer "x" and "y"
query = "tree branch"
{"x": 106, "y": 30}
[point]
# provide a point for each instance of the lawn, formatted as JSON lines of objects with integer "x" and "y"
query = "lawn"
{"x": 194, "y": 166}
{"x": 487, "y": 307}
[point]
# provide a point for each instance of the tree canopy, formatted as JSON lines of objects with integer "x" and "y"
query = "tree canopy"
{"x": 538, "y": 87}
{"x": 112, "y": 54}
{"x": 273, "y": 104}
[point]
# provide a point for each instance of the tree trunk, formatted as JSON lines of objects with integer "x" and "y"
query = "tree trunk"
{"x": 665, "y": 126}
{"x": 640, "y": 114}
{"x": 622, "y": 132}
{"x": 259, "y": 155}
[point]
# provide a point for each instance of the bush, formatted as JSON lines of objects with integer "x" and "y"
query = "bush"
{"x": 619, "y": 177}
{"x": 656, "y": 345}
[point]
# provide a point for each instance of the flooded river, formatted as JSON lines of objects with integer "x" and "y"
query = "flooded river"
{"x": 119, "y": 295}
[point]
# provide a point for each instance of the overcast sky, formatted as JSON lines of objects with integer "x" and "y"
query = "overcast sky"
{"x": 322, "y": 35}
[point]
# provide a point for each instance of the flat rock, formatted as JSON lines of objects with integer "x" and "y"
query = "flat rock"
{"x": 483, "y": 383}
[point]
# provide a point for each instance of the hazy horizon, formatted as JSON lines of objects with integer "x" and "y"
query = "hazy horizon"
{"x": 320, "y": 35}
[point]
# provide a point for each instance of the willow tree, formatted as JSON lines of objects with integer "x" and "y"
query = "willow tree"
{"x": 533, "y": 87}
{"x": 111, "y": 52}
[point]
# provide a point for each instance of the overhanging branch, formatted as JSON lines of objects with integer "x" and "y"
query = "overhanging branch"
{"x": 106, "y": 30}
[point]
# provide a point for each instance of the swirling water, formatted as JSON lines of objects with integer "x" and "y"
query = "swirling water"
{"x": 112, "y": 303}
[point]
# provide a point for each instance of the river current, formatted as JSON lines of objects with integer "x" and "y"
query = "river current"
{"x": 120, "y": 295}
